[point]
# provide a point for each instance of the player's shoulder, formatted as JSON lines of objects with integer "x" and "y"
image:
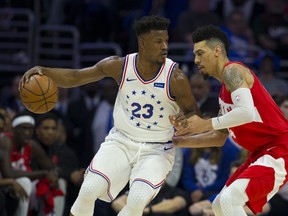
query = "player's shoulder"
{"x": 118, "y": 60}
{"x": 238, "y": 71}
{"x": 236, "y": 67}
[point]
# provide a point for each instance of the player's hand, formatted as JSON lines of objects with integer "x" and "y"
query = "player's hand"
{"x": 27, "y": 75}
{"x": 195, "y": 125}
{"x": 179, "y": 121}
{"x": 19, "y": 190}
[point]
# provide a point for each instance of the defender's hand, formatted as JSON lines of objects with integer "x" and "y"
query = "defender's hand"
{"x": 195, "y": 125}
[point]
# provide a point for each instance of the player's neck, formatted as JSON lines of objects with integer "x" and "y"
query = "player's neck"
{"x": 220, "y": 68}
{"x": 147, "y": 69}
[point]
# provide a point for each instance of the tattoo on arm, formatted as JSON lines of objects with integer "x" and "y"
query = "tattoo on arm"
{"x": 233, "y": 78}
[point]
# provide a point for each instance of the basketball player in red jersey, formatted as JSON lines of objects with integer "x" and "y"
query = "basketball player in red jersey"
{"x": 253, "y": 120}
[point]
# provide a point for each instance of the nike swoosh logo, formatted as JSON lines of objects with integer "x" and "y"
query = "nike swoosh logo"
{"x": 128, "y": 80}
{"x": 167, "y": 148}
{"x": 271, "y": 148}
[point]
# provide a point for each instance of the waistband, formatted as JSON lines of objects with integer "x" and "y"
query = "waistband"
{"x": 152, "y": 143}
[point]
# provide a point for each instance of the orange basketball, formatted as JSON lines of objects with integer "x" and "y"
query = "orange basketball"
{"x": 40, "y": 94}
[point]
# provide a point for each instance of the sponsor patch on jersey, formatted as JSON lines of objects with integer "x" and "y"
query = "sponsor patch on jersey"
{"x": 159, "y": 85}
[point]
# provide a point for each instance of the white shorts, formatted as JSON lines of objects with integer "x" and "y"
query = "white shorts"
{"x": 121, "y": 160}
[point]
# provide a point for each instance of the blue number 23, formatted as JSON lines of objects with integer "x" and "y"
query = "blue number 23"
{"x": 149, "y": 110}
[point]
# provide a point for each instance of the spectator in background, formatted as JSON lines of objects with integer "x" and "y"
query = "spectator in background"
{"x": 102, "y": 120}
{"x": 282, "y": 102}
{"x": 62, "y": 103}
{"x": 14, "y": 193}
{"x": 201, "y": 90}
{"x": 174, "y": 176}
{"x": 10, "y": 99}
{"x": 204, "y": 207}
{"x": 2, "y": 123}
{"x": 279, "y": 203}
{"x": 249, "y": 8}
{"x": 80, "y": 114}
{"x": 198, "y": 14}
{"x": 7, "y": 119}
{"x": 240, "y": 36}
{"x": 19, "y": 151}
{"x": 60, "y": 154}
{"x": 169, "y": 9}
{"x": 206, "y": 170}
{"x": 271, "y": 28}
{"x": 267, "y": 65}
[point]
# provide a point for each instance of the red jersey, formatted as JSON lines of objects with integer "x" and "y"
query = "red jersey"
{"x": 260, "y": 134}
{"x": 20, "y": 160}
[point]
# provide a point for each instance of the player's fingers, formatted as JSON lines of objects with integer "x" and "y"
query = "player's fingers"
{"x": 171, "y": 119}
{"x": 39, "y": 71}
{"x": 182, "y": 132}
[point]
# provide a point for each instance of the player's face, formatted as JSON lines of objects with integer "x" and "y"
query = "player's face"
{"x": 23, "y": 133}
{"x": 204, "y": 58}
{"x": 47, "y": 131}
{"x": 155, "y": 45}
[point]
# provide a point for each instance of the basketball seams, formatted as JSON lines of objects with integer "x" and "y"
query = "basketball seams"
{"x": 31, "y": 91}
{"x": 43, "y": 94}
{"x": 36, "y": 101}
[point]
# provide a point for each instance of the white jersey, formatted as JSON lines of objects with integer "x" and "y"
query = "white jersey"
{"x": 142, "y": 107}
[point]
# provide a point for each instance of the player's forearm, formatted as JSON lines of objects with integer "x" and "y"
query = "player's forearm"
{"x": 67, "y": 78}
{"x": 203, "y": 140}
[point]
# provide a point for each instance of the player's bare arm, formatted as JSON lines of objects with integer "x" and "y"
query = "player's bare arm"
{"x": 236, "y": 76}
{"x": 208, "y": 139}
{"x": 66, "y": 78}
{"x": 181, "y": 90}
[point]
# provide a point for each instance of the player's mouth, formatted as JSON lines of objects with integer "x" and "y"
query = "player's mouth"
{"x": 164, "y": 54}
{"x": 200, "y": 68}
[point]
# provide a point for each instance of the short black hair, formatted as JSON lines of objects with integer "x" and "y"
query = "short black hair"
{"x": 149, "y": 23}
{"x": 211, "y": 34}
{"x": 42, "y": 117}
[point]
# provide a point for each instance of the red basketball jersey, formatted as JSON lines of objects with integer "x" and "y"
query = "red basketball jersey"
{"x": 20, "y": 160}
{"x": 271, "y": 125}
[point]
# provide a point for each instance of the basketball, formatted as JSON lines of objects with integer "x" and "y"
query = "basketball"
{"x": 39, "y": 95}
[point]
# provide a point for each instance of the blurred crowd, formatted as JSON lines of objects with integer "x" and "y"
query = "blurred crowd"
{"x": 44, "y": 179}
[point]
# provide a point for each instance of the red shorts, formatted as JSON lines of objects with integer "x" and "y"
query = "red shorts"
{"x": 267, "y": 170}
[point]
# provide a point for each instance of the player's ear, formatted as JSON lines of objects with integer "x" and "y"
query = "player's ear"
{"x": 217, "y": 50}
{"x": 141, "y": 42}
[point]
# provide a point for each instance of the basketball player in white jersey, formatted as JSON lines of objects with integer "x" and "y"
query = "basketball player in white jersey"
{"x": 138, "y": 149}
